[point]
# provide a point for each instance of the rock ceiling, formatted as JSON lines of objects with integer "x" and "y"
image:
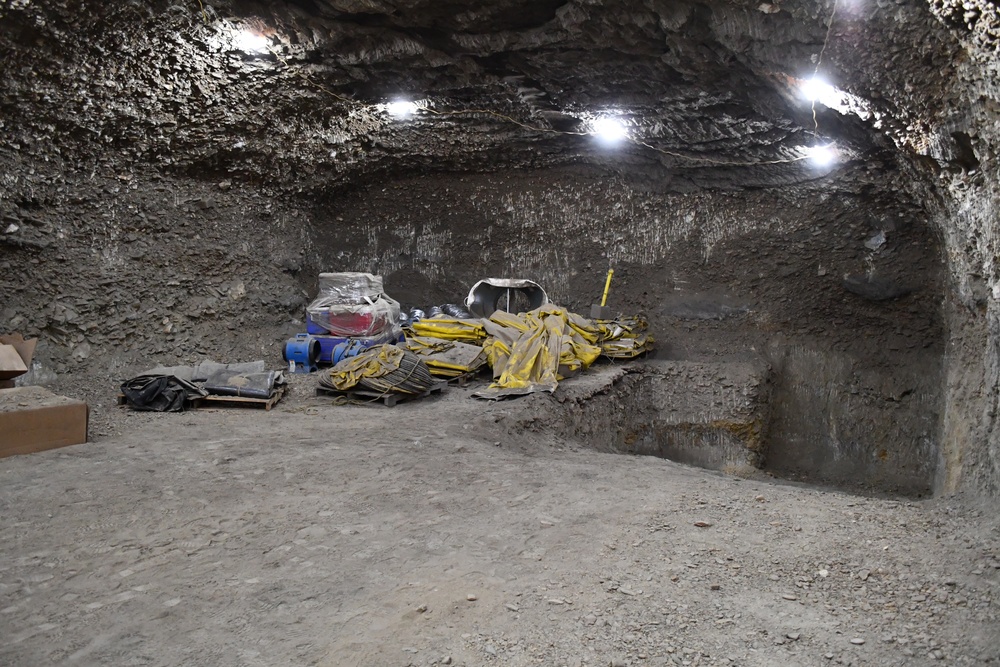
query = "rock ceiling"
{"x": 709, "y": 92}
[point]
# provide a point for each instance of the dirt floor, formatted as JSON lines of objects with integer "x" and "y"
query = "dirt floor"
{"x": 425, "y": 534}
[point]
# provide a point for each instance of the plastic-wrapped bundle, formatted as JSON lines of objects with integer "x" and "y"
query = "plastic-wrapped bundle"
{"x": 350, "y": 287}
{"x": 352, "y": 305}
{"x": 385, "y": 369}
{"x": 454, "y": 310}
{"x": 354, "y": 320}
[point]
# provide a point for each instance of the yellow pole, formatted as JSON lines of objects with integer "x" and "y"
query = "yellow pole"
{"x": 607, "y": 286}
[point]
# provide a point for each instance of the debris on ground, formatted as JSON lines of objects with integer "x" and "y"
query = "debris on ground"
{"x": 528, "y": 352}
{"x": 178, "y": 388}
{"x": 386, "y": 371}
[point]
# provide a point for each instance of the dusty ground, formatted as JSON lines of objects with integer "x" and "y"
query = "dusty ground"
{"x": 360, "y": 535}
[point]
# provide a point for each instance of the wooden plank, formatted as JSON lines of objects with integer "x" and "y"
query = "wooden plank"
{"x": 389, "y": 400}
{"x": 220, "y": 401}
{"x": 465, "y": 378}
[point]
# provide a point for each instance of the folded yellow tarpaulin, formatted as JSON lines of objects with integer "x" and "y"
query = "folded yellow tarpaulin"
{"x": 533, "y": 351}
{"x": 624, "y": 338}
{"x": 373, "y": 363}
{"x": 468, "y": 331}
{"x": 627, "y": 348}
{"x": 447, "y": 358}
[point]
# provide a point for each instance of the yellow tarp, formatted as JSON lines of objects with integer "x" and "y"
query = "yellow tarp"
{"x": 533, "y": 351}
{"x": 447, "y": 358}
{"x": 624, "y": 338}
{"x": 466, "y": 331}
{"x": 372, "y": 363}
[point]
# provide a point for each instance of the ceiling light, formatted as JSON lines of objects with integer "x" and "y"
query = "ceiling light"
{"x": 251, "y": 42}
{"x": 822, "y": 156}
{"x": 816, "y": 89}
{"x": 401, "y": 108}
{"x": 610, "y": 130}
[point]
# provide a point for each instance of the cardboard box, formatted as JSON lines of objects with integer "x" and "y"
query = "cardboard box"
{"x": 15, "y": 357}
{"x": 11, "y": 363}
{"x": 33, "y": 419}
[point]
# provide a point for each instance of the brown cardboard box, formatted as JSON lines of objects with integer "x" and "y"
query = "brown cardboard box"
{"x": 33, "y": 419}
{"x": 11, "y": 363}
{"x": 15, "y": 357}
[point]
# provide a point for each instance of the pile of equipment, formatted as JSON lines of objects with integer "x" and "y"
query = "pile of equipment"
{"x": 354, "y": 327}
{"x": 351, "y": 314}
{"x": 385, "y": 372}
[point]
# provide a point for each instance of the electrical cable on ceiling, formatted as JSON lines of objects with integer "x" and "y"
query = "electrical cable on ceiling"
{"x": 204, "y": 14}
{"x": 547, "y": 130}
{"x": 819, "y": 59}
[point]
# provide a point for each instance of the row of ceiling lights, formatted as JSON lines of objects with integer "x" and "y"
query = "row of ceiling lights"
{"x": 609, "y": 130}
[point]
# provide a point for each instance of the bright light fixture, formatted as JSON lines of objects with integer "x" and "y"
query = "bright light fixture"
{"x": 251, "y": 42}
{"x": 610, "y": 130}
{"x": 815, "y": 89}
{"x": 401, "y": 108}
{"x": 822, "y": 156}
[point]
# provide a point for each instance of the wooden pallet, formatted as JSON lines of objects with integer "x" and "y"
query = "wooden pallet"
{"x": 389, "y": 400}
{"x": 213, "y": 401}
{"x": 465, "y": 378}
{"x": 461, "y": 380}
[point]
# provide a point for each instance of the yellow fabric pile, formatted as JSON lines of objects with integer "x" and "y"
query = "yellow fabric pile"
{"x": 533, "y": 351}
{"x": 624, "y": 338}
{"x": 528, "y": 352}
{"x": 447, "y": 358}
{"x": 385, "y": 369}
{"x": 374, "y": 363}
{"x": 466, "y": 331}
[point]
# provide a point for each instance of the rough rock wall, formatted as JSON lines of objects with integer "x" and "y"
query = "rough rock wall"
{"x": 826, "y": 259}
{"x": 969, "y": 203}
{"x": 971, "y": 434}
{"x": 860, "y": 420}
{"x": 112, "y": 267}
{"x": 838, "y": 291}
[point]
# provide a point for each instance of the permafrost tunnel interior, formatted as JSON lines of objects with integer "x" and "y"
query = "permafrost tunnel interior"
{"x": 802, "y": 201}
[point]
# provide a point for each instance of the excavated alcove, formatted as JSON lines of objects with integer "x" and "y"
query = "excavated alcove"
{"x": 845, "y": 333}
{"x": 175, "y": 175}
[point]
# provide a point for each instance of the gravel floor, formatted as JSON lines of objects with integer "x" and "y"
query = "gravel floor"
{"x": 359, "y": 535}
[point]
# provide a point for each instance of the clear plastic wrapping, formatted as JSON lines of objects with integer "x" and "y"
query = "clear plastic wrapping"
{"x": 353, "y": 305}
{"x": 350, "y": 288}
